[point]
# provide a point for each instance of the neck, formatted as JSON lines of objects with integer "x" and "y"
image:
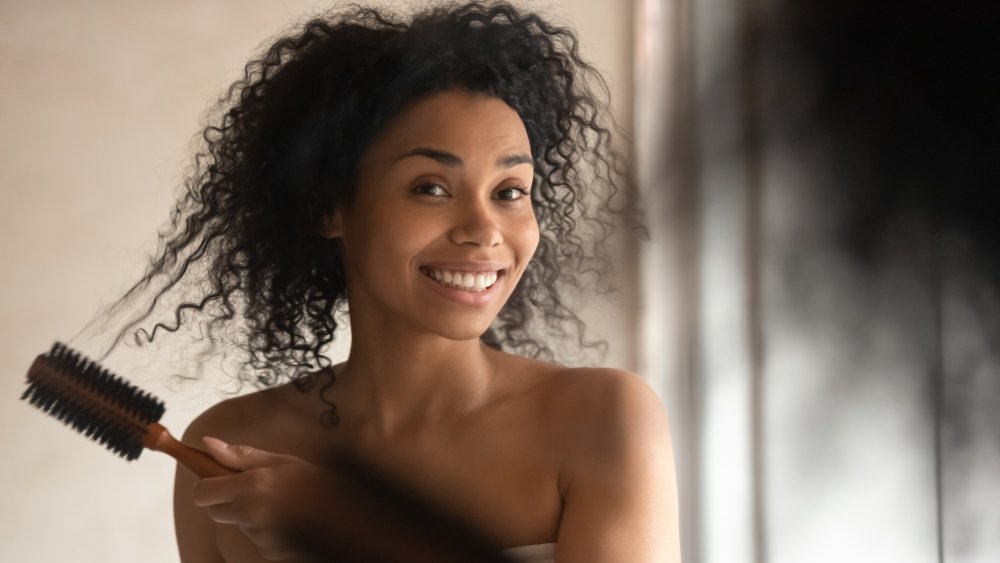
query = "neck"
{"x": 394, "y": 382}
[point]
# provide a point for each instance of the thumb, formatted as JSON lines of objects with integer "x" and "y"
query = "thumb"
{"x": 240, "y": 457}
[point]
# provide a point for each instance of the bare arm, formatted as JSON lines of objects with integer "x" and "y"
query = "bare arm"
{"x": 195, "y": 531}
{"x": 619, "y": 486}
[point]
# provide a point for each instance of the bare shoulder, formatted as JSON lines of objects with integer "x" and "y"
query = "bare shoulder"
{"x": 598, "y": 399}
{"x": 248, "y": 419}
{"x": 597, "y": 419}
{"x": 198, "y": 536}
{"x": 240, "y": 420}
{"x": 616, "y": 476}
{"x": 607, "y": 402}
{"x": 605, "y": 383}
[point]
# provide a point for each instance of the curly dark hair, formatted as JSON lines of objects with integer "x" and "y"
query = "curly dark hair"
{"x": 281, "y": 153}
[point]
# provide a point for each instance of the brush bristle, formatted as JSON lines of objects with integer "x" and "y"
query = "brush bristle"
{"x": 100, "y": 405}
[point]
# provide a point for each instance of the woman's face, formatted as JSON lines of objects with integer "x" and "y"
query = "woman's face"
{"x": 441, "y": 227}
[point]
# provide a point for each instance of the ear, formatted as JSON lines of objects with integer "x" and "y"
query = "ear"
{"x": 332, "y": 225}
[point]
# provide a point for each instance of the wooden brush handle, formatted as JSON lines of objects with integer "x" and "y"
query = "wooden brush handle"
{"x": 199, "y": 462}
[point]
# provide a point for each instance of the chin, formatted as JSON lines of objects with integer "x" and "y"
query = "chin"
{"x": 472, "y": 331}
{"x": 465, "y": 336}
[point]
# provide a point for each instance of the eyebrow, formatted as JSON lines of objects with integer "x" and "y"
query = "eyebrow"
{"x": 453, "y": 161}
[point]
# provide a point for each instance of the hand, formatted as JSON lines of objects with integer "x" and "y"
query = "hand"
{"x": 272, "y": 500}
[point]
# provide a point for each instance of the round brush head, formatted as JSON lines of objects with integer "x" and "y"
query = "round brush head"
{"x": 100, "y": 405}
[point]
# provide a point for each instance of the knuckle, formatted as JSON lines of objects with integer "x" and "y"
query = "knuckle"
{"x": 244, "y": 450}
{"x": 216, "y": 513}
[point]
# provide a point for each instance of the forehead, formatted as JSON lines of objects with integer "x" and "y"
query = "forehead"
{"x": 455, "y": 120}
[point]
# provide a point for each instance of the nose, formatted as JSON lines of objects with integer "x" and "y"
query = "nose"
{"x": 476, "y": 225}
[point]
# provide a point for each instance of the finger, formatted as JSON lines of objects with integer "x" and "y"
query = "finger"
{"x": 219, "y": 490}
{"x": 224, "y": 513}
{"x": 242, "y": 457}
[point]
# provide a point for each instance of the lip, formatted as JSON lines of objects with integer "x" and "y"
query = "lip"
{"x": 460, "y": 295}
{"x": 467, "y": 266}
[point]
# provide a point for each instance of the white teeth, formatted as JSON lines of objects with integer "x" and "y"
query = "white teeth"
{"x": 468, "y": 281}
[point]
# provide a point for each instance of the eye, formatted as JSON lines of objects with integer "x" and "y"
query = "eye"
{"x": 512, "y": 193}
{"x": 430, "y": 189}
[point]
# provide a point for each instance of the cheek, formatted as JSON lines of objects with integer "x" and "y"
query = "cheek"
{"x": 394, "y": 240}
{"x": 526, "y": 239}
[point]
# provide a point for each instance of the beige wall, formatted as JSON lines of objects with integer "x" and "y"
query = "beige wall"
{"x": 99, "y": 103}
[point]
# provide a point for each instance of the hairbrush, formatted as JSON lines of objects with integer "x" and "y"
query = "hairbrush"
{"x": 108, "y": 409}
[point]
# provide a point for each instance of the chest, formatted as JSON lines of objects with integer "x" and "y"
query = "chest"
{"x": 506, "y": 485}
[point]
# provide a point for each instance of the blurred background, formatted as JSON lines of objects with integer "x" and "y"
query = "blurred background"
{"x": 817, "y": 307}
{"x": 821, "y": 296}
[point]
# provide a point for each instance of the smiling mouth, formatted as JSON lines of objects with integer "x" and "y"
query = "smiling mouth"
{"x": 473, "y": 282}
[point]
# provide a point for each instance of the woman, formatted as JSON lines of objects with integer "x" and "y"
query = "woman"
{"x": 430, "y": 178}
